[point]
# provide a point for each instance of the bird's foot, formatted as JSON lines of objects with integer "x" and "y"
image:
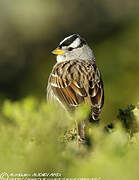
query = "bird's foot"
{"x": 81, "y": 140}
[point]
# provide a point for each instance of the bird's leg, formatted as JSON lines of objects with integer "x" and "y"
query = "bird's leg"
{"x": 77, "y": 129}
{"x": 81, "y": 132}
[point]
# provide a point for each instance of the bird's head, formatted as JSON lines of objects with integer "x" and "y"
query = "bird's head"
{"x": 73, "y": 47}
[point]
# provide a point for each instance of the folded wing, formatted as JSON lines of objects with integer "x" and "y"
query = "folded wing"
{"x": 74, "y": 82}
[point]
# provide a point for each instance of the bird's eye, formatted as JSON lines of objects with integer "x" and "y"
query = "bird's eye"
{"x": 70, "y": 49}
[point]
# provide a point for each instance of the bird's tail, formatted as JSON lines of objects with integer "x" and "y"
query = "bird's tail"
{"x": 95, "y": 113}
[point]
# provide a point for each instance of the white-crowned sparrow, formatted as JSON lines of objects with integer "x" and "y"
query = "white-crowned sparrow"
{"x": 75, "y": 77}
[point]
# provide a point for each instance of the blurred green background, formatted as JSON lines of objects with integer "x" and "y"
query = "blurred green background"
{"x": 29, "y": 31}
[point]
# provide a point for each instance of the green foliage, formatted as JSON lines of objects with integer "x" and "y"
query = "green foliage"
{"x": 128, "y": 119}
{"x": 36, "y": 137}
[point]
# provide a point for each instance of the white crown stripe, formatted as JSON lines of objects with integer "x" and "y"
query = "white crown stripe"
{"x": 75, "y": 43}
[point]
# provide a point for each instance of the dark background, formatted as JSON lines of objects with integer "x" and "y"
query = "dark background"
{"x": 31, "y": 29}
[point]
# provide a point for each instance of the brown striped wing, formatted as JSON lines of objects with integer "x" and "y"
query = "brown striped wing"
{"x": 74, "y": 82}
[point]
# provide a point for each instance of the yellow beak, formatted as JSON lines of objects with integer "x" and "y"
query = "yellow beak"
{"x": 58, "y": 51}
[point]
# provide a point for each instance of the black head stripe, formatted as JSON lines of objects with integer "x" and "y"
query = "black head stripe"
{"x": 82, "y": 43}
{"x": 70, "y": 40}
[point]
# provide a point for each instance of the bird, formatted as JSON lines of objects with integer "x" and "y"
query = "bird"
{"x": 75, "y": 79}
